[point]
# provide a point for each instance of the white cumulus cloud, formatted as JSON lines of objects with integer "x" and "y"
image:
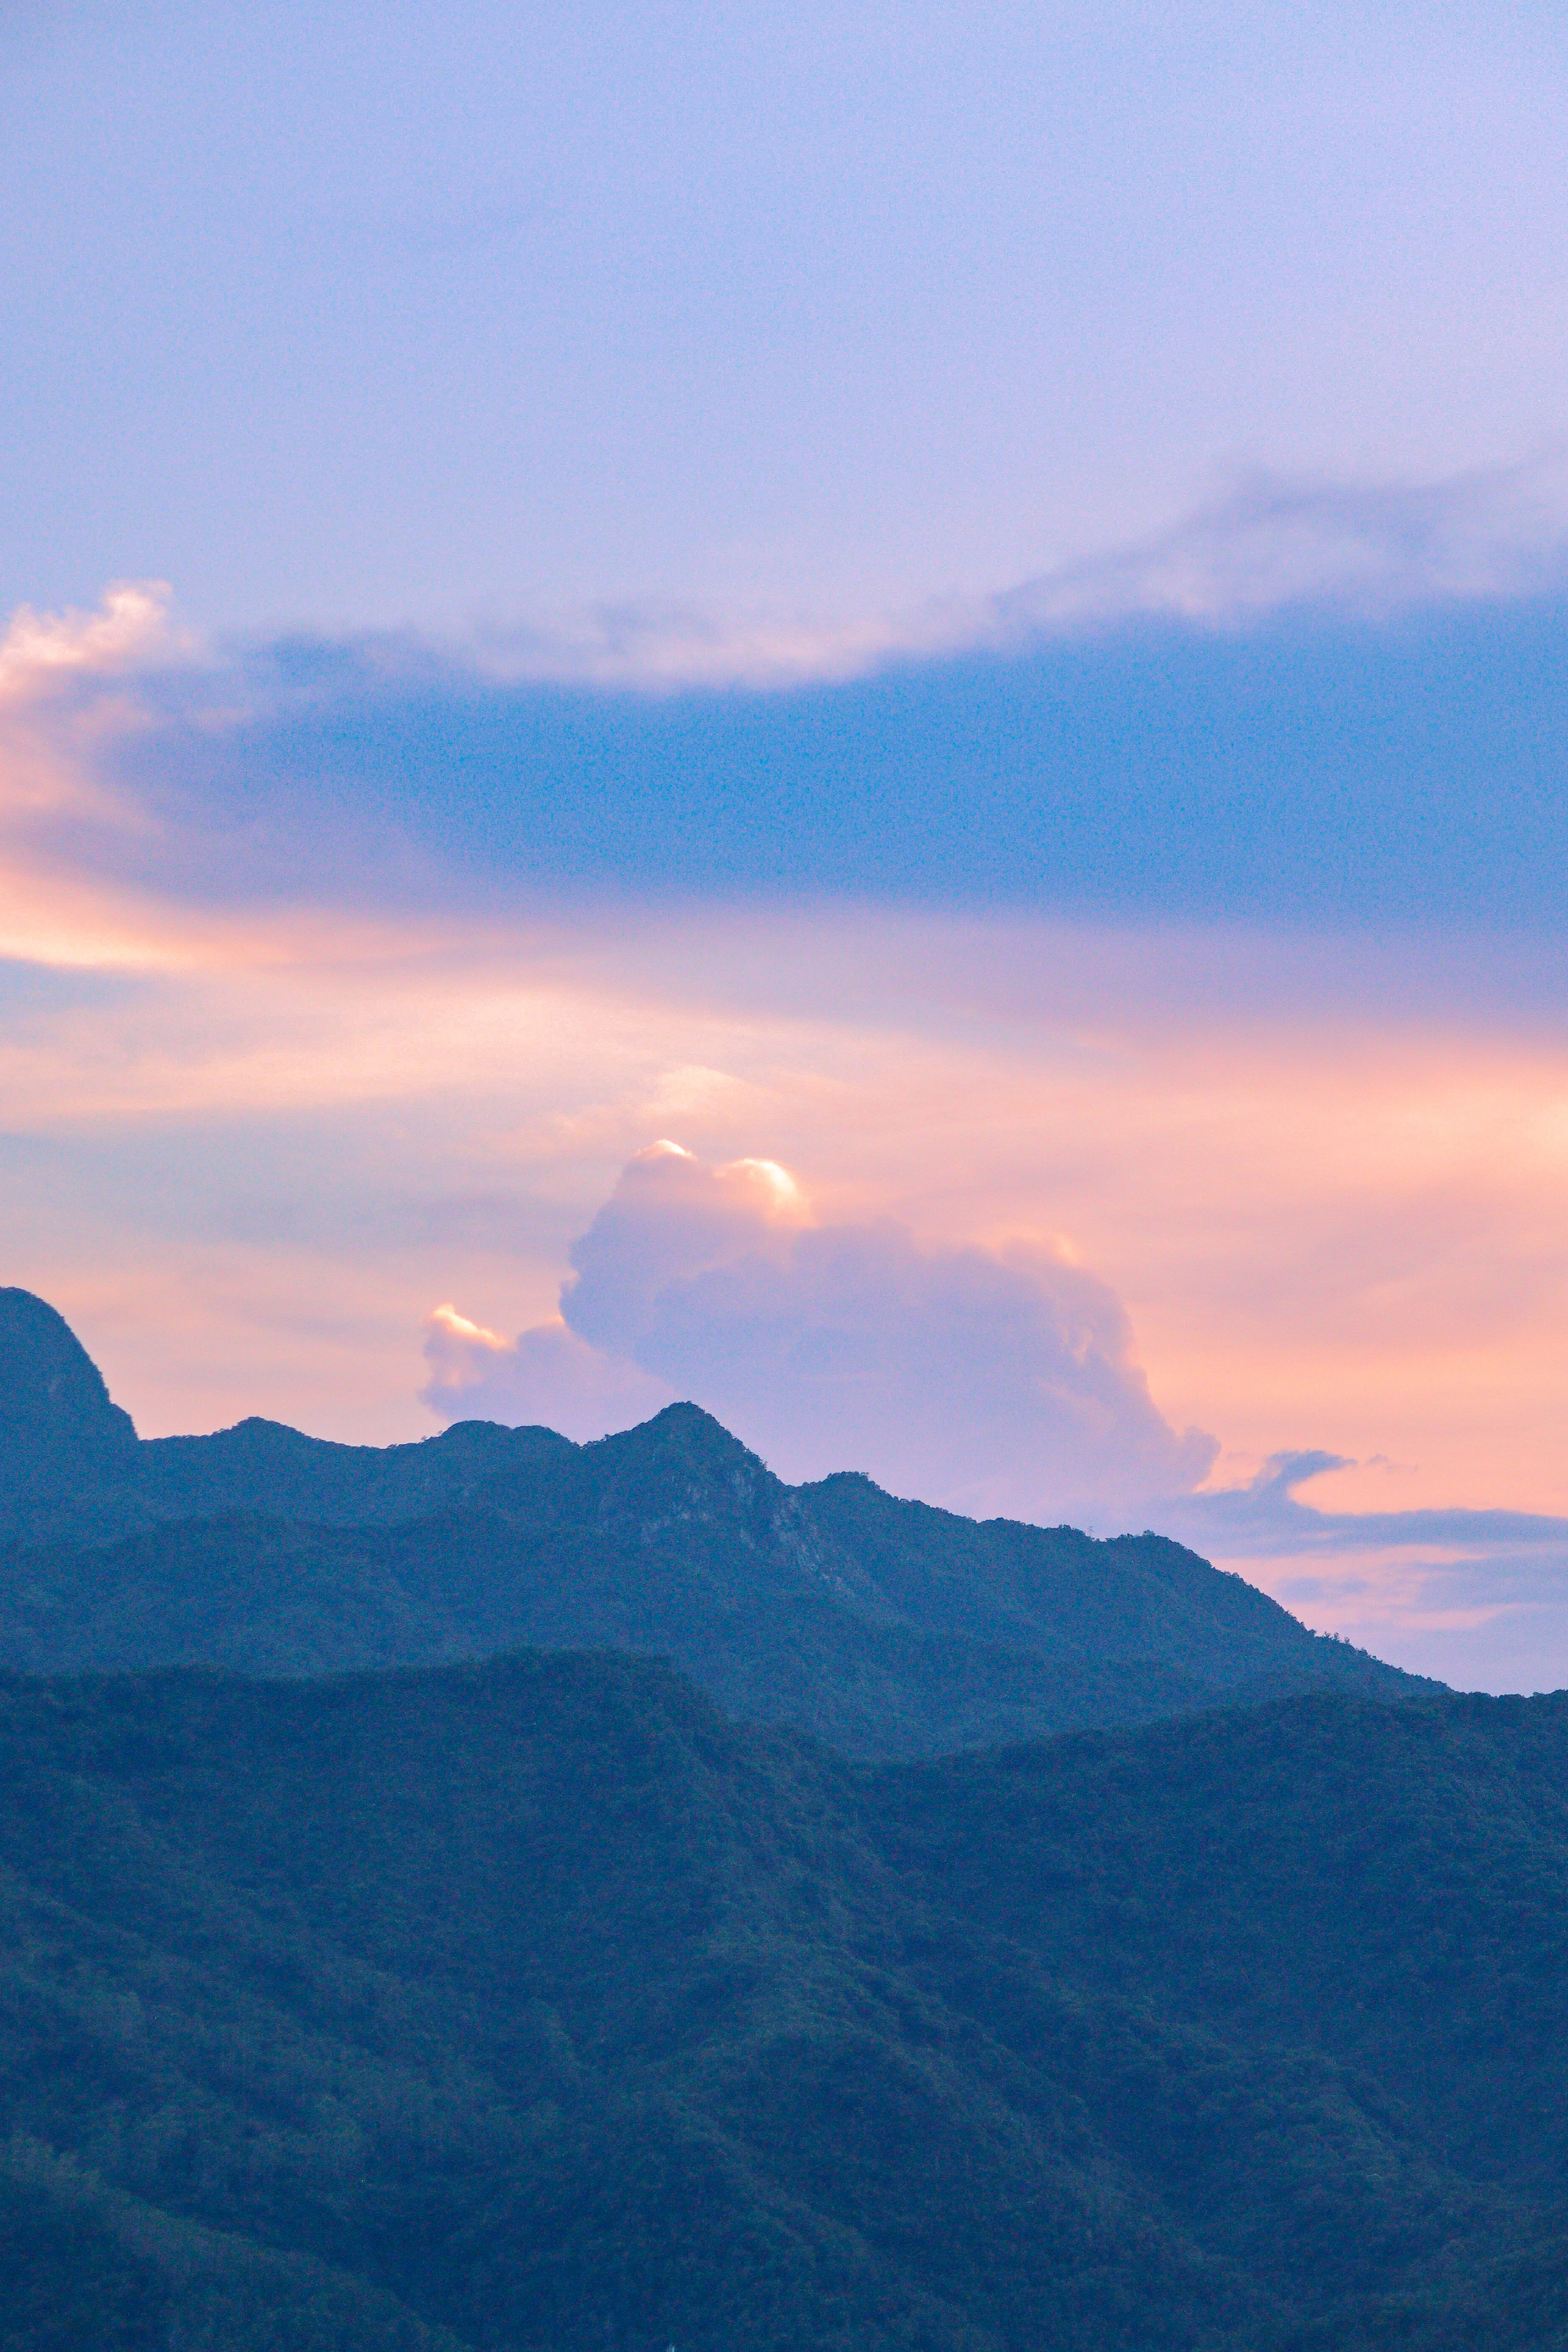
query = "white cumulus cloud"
{"x": 988, "y": 1381}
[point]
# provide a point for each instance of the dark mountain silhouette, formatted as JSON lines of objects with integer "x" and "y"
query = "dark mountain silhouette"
{"x": 535, "y": 2007}
{"x": 886, "y": 1627}
{"x": 58, "y": 1432}
{"x": 527, "y": 2003}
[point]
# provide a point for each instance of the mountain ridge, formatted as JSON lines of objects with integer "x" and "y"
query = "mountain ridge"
{"x": 885, "y": 1626}
{"x": 546, "y": 2004}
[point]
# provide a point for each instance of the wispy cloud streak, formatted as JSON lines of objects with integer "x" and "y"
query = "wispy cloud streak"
{"x": 1266, "y": 1516}
{"x": 1477, "y": 1597}
{"x": 1269, "y": 545}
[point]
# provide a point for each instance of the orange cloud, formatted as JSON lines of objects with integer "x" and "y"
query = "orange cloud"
{"x": 1327, "y": 1181}
{"x": 1326, "y": 1232}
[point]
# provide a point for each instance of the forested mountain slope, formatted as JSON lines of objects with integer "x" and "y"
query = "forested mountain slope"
{"x": 536, "y": 2003}
{"x": 886, "y": 1627}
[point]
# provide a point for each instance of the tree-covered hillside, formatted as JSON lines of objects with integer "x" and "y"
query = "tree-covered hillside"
{"x": 537, "y": 2003}
{"x": 885, "y": 1627}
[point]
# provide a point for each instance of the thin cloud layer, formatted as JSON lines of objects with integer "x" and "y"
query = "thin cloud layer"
{"x": 1307, "y": 768}
{"x": 991, "y": 1382}
{"x": 1308, "y": 707}
{"x": 1271, "y": 543}
{"x": 1266, "y": 1516}
{"x": 1364, "y": 548}
{"x": 1476, "y": 1597}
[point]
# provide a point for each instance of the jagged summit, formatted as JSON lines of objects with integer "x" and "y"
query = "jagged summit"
{"x": 679, "y": 1469}
{"x": 682, "y": 1440}
{"x": 58, "y": 1431}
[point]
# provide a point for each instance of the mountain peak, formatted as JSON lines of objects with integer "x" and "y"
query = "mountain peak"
{"x": 685, "y": 1434}
{"x": 693, "y": 1424}
{"x": 680, "y": 1462}
{"x": 58, "y": 1431}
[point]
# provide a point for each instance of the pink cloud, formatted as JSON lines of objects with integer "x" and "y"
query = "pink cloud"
{"x": 548, "y": 1377}
{"x": 990, "y": 1380}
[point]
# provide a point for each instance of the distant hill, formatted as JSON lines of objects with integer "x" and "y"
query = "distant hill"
{"x": 885, "y": 1627}
{"x": 534, "y": 2007}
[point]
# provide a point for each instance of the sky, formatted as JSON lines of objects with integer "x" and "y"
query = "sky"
{"x": 861, "y": 715}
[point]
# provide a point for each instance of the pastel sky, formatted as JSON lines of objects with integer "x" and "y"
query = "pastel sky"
{"x": 862, "y": 715}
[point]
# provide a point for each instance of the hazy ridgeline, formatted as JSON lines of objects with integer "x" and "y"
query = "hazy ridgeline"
{"x": 535, "y": 2003}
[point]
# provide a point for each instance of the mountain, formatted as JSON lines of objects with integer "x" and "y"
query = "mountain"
{"x": 1516, "y": 2302}
{"x": 58, "y": 1431}
{"x": 533, "y": 2006}
{"x": 885, "y": 1627}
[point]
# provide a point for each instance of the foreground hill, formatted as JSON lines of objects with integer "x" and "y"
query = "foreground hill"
{"x": 884, "y": 1627}
{"x": 534, "y": 2007}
